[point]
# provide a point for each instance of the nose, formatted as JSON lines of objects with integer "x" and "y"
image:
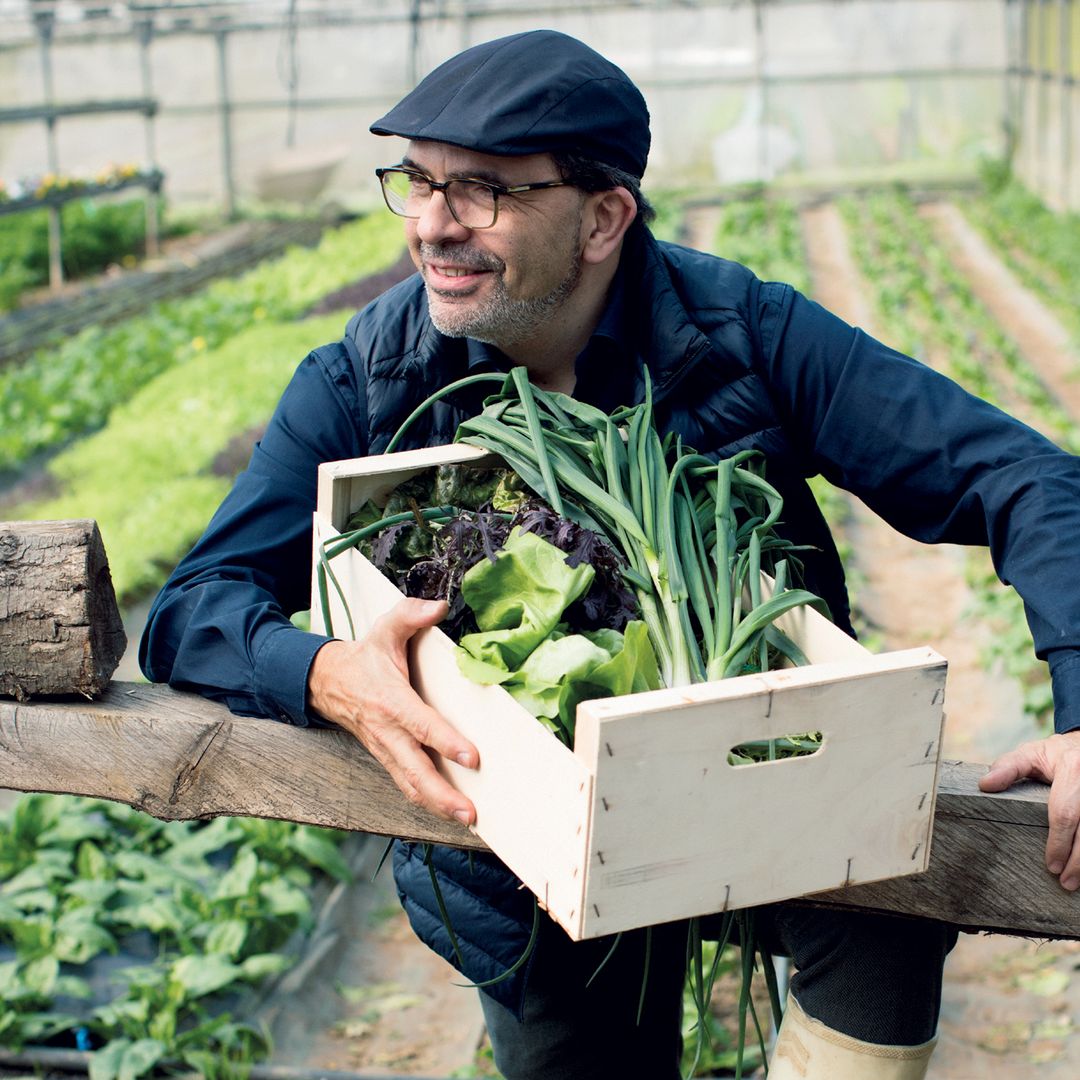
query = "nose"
{"x": 436, "y": 224}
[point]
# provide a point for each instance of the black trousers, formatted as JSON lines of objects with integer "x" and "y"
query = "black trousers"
{"x": 873, "y": 977}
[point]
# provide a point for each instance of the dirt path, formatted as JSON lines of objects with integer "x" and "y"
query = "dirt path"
{"x": 368, "y": 998}
{"x": 1039, "y": 334}
{"x": 1008, "y": 1004}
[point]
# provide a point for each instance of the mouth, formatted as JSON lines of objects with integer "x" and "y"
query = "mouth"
{"x": 449, "y": 280}
{"x": 453, "y": 276}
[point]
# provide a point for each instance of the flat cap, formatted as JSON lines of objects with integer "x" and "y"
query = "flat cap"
{"x": 537, "y": 92}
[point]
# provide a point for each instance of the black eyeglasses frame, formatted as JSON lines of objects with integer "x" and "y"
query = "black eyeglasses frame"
{"x": 497, "y": 190}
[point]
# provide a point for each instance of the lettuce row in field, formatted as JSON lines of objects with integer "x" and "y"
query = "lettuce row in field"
{"x": 70, "y": 387}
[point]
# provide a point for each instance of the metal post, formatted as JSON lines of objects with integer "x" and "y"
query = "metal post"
{"x": 414, "y": 42}
{"x": 1041, "y": 104}
{"x": 44, "y": 21}
{"x": 1023, "y": 140}
{"x": 1013, "y": 13}
{"x": 289, "y": 69}
{"x": 225, "y": 107}
{"x": 1065, "y": 99}
{"x": 144, "y": 31}
{"x": 759, "y": 89}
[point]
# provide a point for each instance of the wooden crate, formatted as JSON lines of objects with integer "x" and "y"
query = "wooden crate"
{"x": 644, "y": 821}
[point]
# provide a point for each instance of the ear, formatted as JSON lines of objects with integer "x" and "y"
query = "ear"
{"x": 608, "y": 214}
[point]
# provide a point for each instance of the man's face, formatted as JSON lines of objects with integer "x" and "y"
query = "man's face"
{"x": 507, "y": 283}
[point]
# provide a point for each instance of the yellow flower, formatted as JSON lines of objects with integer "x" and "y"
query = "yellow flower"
{"x": 198, "y": 343}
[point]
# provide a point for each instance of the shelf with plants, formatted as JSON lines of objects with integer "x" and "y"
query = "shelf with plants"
{"x": 53, "y": 190}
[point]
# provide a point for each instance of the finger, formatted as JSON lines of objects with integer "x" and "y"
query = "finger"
{"x": 1063, "y": 813}
{"x": 400, "y": 708}
{"x": 1016, "y": 765}
{"x": 406, "y": 617}
{"x": 417, "y": 778}
{"x": 408, "y": 709}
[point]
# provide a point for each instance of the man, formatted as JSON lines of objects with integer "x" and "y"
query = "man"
{"x": 519, "y": 189}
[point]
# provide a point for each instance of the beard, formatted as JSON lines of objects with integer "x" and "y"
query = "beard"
{"x": 498, "y": 319}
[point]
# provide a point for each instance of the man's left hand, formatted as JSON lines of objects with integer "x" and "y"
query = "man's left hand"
{"x": 1055, "y": 761}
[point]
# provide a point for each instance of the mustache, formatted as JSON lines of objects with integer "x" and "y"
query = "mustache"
{"x": 461, "y": 256}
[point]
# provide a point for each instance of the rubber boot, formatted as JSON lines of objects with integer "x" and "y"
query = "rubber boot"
{"x": 808, "y": 1050}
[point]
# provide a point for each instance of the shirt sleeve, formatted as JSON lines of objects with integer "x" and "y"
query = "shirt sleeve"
{"x": 220, "y": 626}
{"x": 937, "y": 463}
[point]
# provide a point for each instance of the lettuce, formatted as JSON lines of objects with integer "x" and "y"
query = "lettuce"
{"x": 519, "y": 601}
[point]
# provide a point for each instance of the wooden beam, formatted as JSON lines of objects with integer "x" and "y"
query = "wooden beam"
{"x": 177, "y": 756}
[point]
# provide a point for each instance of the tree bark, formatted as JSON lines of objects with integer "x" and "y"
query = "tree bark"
{"x": 60, "y": 629}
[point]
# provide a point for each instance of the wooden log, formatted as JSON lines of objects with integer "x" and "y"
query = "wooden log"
{"x": 60, "y": 630}
{"x": 177, "y": 756}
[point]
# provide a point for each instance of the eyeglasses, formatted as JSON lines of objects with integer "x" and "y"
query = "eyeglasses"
{"x": 473, "y": 203}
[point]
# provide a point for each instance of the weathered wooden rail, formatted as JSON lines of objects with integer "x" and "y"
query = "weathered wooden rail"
{"x": 177, "y": 756}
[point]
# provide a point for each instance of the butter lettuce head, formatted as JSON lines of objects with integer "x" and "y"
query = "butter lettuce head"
{"x": 519, "y": 601}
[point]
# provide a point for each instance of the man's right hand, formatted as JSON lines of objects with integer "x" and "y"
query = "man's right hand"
{"x": 363, "y": 686}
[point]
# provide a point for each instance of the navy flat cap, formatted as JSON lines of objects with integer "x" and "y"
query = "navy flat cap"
{"x": 537, "y": 92}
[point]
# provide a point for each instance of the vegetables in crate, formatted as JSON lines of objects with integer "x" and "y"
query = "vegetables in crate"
{"x": 682, "y": 539}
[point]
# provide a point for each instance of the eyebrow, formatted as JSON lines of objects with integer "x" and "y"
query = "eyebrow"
{"x": 481, "y": 174}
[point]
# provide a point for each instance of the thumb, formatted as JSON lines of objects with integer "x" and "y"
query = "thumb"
{"x": 412, "y": 614}
{"x": 1007, "y": 769}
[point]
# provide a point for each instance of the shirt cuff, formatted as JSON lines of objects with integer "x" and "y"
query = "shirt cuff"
{"x": 281, "y": 674}
{"x": 1065, "y": 676}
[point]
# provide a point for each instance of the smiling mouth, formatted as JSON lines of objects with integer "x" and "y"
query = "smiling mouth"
{"x": 453, "y": 280}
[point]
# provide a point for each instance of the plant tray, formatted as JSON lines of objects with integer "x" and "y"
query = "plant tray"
{"x": 644, "y": 821}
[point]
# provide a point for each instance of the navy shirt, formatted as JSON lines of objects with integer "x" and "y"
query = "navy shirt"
{"x": 221, "y": 624}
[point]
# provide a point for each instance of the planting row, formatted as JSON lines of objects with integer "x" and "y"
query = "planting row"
{"x": 1041, "y": 247}
{"x": 201, "y": 912}
{"x": 65, "y": 390}
{"x": 927, "y": 308}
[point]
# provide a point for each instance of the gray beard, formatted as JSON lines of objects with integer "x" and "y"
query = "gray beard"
{"x": 502, "y": 321}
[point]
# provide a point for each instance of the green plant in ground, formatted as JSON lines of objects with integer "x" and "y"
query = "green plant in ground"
{"x": 220, "y": 899}
{"x": 709, "y": 1047}
{"x": 164, "y": 441}
{"x": 928, "y": 308}
{"x": 1040, "y": 246}
{"x": 70, "y": 388}
{"x": 764, "y": 233}
{"x": 670, "y": 212}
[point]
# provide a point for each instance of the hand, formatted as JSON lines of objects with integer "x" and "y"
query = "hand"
{"x": 1055, "y": 761}
{"x": 364, "y": 687}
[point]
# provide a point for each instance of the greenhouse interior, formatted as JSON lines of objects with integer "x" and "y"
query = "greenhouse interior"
{"x": 189, "y": 207}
